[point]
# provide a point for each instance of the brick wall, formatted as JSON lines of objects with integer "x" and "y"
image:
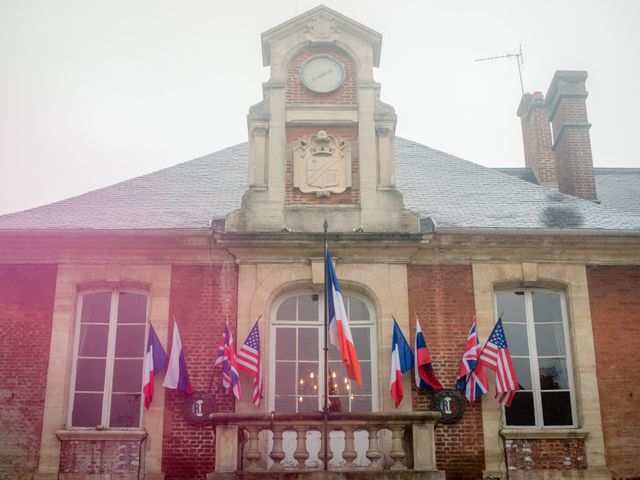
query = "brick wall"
{"x": 298, "y": 93}
{"x": 26, "y": 309}
{"x": 557, "y": 454}
{"x": 614, "y": 293}
{"x": 351, "y": 195}
{"x": 121, "y": 457}
{"x": 442, "y": 297}
{"x": 202, "y": 297}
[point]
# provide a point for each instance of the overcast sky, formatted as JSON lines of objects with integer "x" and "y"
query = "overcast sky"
{"x": 96, "y": 92}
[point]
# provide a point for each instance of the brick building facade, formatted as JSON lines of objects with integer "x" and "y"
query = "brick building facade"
{"x": 415, "y": 233}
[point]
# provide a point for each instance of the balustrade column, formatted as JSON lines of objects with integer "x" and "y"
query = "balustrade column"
{"x": 349, "y": 453}
{"x": 373, "y": 452}
{"x": 397, "y": 450}
{"x": 253, "y": 454}
{"x": 301, "y": 453}
{"x": 277, "y": 452}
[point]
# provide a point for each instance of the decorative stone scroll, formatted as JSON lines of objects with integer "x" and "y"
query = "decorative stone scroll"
{"x": 321, "y": 165}
{"x": 321, "y": 28}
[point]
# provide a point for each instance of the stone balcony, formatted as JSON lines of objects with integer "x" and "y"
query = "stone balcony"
{"x": 398, "y": 446}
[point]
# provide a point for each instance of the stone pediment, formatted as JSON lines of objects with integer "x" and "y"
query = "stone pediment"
{"x": 321, "y": 24}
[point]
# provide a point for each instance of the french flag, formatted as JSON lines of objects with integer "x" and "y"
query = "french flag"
{"x": 339, "y": 331}
{"x": 155, "y": 363}
{"x": 425, "y": 376}
{"x": 177, "y": 376}
{"x": 401, "y": 362}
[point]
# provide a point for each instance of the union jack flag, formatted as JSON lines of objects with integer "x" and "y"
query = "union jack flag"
{"x": 472, "y": 378}
{"x": 495, "y": 356}
{"x": 249, "y": 361}
{"x": 226, "y": 358}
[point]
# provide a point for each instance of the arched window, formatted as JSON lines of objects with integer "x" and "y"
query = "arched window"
{"x": 108, "y": 359}
{"x": 297, "y": 356}
{"x": 535, "y": 322}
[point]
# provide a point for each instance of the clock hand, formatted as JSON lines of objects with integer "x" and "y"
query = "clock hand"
{"x": 323, "y": 74}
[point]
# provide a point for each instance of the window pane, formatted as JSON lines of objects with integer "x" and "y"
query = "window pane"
{"x": 287, "y": 310}
{"x": 87, "y": 410}
{"x": 556, "y": 408}
{"x": 357, "y": 310}
{"x": 553, "y": 374}
{"x": 550, "y": 339}
{"x": 286, "y": 344}
{"x": 285, "y": 378}
{"x": 307, "y": 378}
{"x": 523, "y": 372}
{"x": 132, "y": 308}
{"x": 521, "y": 413}
{"x": 361, "y": 404}
{"x": 125, "y": 410}
{"x": 90, "y": 374}
{"x": 517, "y": 338}
{"x": 308, "y": 404}
{"x": 511, "y": 305}
{"x": 308, "y": 344}
{"x": 546, "y": 307}
{"x": 127, "y": 375}
{"x": 308, "y": 308}
{"x": 362, "y": 342}
{"x": 130, "y": 341}
{"x": 93, "y": 340}
{"x": 338, "y": 404}
{"x": 365, "y": 370}
{"x": 96, "y": 307}
{"x": 285, "y": 404}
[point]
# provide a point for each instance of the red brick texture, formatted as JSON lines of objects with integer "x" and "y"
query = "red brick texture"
{"x": 614, "y": 293}
{"x": 298, "y": 93}
{"x": 202, "y": 297}
{"x": 442, "y": 297}
{"x": 350, "y": 196}
{"x": 26, "y": 310}
{"x": 572, "y": 144}
{"x": 536, "y": 138}
{"x": 557, "y": 454}
{"x": 116, "y": 457}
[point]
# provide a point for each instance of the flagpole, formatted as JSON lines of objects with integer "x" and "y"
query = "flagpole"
{"x": 325, "y": 407}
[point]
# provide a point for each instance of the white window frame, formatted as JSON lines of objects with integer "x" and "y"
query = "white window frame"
{"x": 110, "y": 358}
{"x": 274, "y": 323}
{"x": 533, "y": 356}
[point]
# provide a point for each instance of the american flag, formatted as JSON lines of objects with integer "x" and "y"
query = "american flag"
{"x": 495, "y": 356}
{"x": 249, "y": 361}
{"x": 226, "y": 358}
{"x": 472, "y": 378}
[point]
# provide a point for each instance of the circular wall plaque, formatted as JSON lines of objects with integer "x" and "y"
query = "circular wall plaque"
{"x": 197, "y": 407}
{"x": 450, "y": 403}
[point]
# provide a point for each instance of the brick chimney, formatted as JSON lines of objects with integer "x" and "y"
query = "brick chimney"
{"x": 566, "y": 104}
{"x": 536, "y": 138}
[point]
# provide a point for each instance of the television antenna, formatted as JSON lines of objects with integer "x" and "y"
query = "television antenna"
{"x": 519, "y": 61}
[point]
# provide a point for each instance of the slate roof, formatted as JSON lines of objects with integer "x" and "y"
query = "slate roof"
{"x": 456, "y": 193}
{"x": 619, "y": 188}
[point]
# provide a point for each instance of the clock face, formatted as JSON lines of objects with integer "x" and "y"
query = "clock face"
{"x": 322, "y": 73}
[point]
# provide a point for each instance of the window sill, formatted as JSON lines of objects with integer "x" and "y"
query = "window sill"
{"x": 543, "y": 433}
{"x": 97, "y": 435}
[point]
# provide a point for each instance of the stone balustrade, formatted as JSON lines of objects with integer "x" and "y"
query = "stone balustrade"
{"x": 408, "y": 438}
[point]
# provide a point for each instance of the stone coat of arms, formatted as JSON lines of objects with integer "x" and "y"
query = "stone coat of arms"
{"x": 321, "y": 165}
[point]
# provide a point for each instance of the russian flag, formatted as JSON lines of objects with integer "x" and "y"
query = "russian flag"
{"x": 339, "y": 331}
{"x": 155, "y": 363}
{"x": 401, "y": 362}
{"x": 425, "y": 376}
{"x": 177, "y": 376}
